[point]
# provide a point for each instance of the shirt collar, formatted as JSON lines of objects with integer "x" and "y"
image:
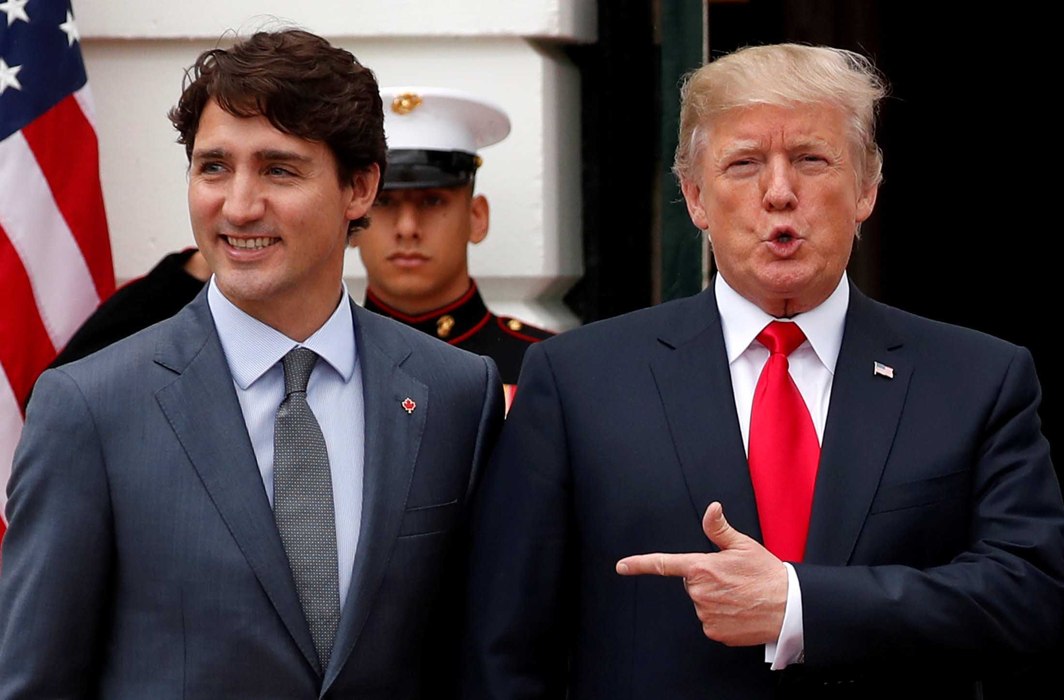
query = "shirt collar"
{"x": 252, "y": 348}
{"x": 741, "y": 320}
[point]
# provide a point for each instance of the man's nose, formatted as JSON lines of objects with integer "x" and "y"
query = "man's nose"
{"x": 779, "y": 185}
{"x": 406, "y": 220}
{"x": 244, "y": 202}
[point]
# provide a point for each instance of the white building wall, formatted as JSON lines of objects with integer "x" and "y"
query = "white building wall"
{"x": 136, "y": 52}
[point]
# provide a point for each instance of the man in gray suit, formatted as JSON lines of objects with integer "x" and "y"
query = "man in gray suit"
{"x": 144, "y": 558}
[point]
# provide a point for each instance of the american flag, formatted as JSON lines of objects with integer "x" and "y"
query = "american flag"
{"x": 55, "y": 256}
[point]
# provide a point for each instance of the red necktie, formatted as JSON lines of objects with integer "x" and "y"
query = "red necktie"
{"x": 784, "y": 451}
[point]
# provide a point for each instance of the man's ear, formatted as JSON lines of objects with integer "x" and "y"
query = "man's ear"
{"x": 363, "y": 191}
{"x": 479, "y": 213}
{"x": 692, "y": 194}
{"x": 866, "y": 202}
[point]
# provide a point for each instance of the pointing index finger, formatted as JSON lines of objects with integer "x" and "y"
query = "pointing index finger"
{"x": 658, "y": 564}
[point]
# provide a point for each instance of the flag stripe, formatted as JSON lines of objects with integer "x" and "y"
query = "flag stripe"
{"x": 63, "y": 288}
{"x": 88, "y": 107}
{"x": 32, "y": 349}
{"x": 10, "y": 427}
{"x": 64, "y": 144}
{"x": 55, "y": 256}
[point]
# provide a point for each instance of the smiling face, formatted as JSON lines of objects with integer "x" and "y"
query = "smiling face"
{"x": 415, "y": 249}
{"x": 271, "y": 217}
{"x": 778, "y": 193}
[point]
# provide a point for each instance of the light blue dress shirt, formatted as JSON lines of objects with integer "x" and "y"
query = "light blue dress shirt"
{"x": 334, "y": 392}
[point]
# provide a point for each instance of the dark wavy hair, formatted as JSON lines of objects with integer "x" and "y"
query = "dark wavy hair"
{"x": 303, "y": 85}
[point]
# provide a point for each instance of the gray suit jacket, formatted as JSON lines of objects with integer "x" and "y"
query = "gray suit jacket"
{"x": 142, "y": 559}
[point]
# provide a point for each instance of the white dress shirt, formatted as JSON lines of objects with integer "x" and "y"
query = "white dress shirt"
{"x": 812, "y": 367}
{"x": 334, "y": 392}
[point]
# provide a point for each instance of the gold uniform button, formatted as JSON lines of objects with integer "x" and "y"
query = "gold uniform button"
{"x": 514, "y": 325}
{"x": 444, "y": 324}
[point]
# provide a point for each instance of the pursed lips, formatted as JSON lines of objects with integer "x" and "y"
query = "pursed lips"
{"x": 782, "y": 234}
{"x": 783, "y": 243}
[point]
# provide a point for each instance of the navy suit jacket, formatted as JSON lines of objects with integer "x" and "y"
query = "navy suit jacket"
{"x": 142, "y": 559}
{"x": 936, "y": 541}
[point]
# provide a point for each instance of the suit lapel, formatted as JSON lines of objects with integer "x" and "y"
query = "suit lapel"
{"x": 862, "y": 420}
{"x": 203, "y": 410}
{"x": 392, "y": 438}
{"x": 694, "y": 382}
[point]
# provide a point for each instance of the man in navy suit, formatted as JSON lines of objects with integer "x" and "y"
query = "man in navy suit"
{"x": 627, "y": 539}
{"x": 143, "y": 558}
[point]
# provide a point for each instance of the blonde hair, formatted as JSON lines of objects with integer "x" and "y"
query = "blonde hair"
{"x": 783, "y": 74}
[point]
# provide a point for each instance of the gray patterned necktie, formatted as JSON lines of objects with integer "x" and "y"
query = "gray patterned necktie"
{"x": 303, "y": 503}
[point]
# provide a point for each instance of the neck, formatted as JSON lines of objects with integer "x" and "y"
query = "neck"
{"x": 419, "y": 306}
{"x": 298, "y": 320}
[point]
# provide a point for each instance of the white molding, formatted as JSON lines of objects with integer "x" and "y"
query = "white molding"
{"x": 560, "y": 20}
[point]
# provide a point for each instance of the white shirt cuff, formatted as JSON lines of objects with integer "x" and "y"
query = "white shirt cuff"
{"x": 790, "y": 647}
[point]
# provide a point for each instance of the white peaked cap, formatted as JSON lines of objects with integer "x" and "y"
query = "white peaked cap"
{"x": 441, "y": 119}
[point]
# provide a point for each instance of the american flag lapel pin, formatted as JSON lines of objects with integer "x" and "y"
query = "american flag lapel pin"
{"x": 408, "y": 405}
{"x": 883, "y": 370}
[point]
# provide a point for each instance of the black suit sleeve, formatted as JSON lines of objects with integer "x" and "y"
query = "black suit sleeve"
{"x": 519, "y": 595}
{"x": 442, "y": 664}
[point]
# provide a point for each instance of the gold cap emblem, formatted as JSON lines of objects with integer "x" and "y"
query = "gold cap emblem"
{"x": 444, "y": 324}
{"x": 514, "y": 325}
{"x": 405, "y": 103}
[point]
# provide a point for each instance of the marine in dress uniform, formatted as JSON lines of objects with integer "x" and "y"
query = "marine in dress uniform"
{"x": 469, "y": 324}
{"x": 427, "y": 215}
